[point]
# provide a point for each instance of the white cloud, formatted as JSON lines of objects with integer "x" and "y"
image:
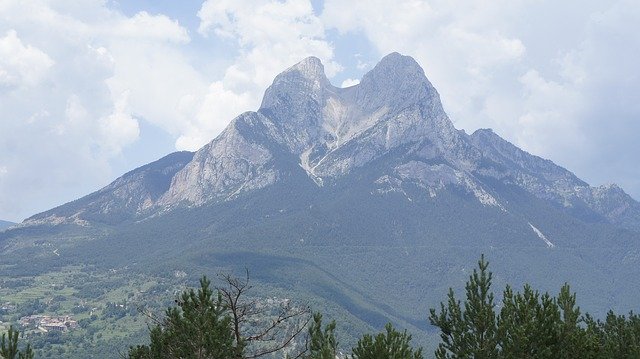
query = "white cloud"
{"x": 219, "y": 106}
{"x": 157, "y": 78}
{"x": 548, "y": 109}
{"x": 21, "y": 64}
{"x": 119, "y": 128}
{"x": 349, "y": 83}
{"x": 149, "y": 27}
{"x": 604, "y": 69}
{"x": 75, "y": 77}
{"x": 272, "y": 35}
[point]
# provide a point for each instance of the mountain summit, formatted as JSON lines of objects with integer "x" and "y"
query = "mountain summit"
{"x": 325, "y": 130}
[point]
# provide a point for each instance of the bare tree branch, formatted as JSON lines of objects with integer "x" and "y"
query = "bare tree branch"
{"x": 284, "y": 344}
{"x": 250, "y": 325}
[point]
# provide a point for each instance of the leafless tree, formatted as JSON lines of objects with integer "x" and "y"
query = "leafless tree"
{"x": 265, "y": 326}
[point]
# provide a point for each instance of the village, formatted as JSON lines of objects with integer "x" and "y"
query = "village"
{"x": 47, "y": 323}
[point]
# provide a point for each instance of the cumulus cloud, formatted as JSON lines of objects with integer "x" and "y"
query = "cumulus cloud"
{"x": 218, "y": 107}
{"x": 75, "y": 78}
{"x": 349, "y": 83}
{"x": 21, "y": 64}
{"x": 149, "y": 27}
{"x": 547, "y": 109}
{"x": 582, "y": 110}
{"x": 119, "y": 128}
{"x": 604, "y": 70}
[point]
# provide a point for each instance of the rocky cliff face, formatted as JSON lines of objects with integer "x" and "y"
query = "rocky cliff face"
{"x": 327, "y": 130}
{"x": 327, "y": 133}
{"x": 544, "y": 179}
{"x": 235, "y": 162}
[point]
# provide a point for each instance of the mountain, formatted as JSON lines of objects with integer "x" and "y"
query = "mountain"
{"x": 365, "y": 200}
{"x": 5, "y": 224}
{"x": 305, "y": 123}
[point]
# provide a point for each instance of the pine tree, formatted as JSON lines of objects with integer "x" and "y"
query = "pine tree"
{"x": 322, "y": 343}
{"x": 198, "y": 328}
{"x": 616, "y": 337}
{"x": 391, "y": 344}
{"x": 527, "y": 325}
{"x": 572, "y": 338}
{"x": 469, "y": 332}
{"x": 9, "y": 346}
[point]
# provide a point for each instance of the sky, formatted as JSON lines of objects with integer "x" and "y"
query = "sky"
{"x": 94, "y": 88}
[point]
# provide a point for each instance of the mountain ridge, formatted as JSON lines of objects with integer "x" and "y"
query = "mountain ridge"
{"x": 328, "y": 131}
{"x": 127, "y": 196}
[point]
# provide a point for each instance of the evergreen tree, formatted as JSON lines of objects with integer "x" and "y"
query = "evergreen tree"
{"x": 392, "y": 344}
{"x": 198, "y": 328}
{"x": 527, "y": 325}
{"x": 616, "y": 337}
{"x": 9, "y": 346}
{"x": 322, "y": 343}
{"x": 572, "y": 338}
{"x": 469, "y": 331}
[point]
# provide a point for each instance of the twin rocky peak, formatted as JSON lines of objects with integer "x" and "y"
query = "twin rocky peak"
{"x": 326, "y": 130}
{"x": 310, "y": 129}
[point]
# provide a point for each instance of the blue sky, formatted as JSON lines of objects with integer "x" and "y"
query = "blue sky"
{"x": 92, "y": 89}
